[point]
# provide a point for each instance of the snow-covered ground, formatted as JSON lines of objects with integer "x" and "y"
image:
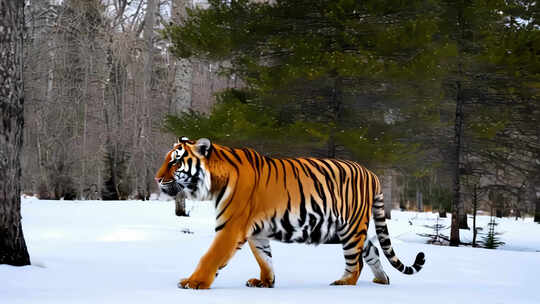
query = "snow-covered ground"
{"x": 135, "y": 252}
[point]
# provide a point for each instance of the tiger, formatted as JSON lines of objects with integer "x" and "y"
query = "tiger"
{"x": 301, "y": 200}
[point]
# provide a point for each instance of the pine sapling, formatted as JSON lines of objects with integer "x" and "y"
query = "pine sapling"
{"x": 491, "y": 240}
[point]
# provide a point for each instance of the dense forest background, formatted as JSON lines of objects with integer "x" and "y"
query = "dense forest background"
{"x": 438, "y": 97}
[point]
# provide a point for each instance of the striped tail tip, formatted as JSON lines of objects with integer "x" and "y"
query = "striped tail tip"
{"x": 416, "y": 267}
{"x": 419, "y": 261}
{"x": 418, "y": 264}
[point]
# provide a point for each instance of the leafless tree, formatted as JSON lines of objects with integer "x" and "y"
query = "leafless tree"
{"x": 100, "y": 81}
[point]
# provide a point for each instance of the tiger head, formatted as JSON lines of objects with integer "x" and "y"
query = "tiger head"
{"x": 186, "y": 169}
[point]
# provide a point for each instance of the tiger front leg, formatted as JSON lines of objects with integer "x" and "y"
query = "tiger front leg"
{"x": 225, "y": 244}
{"x": 263, "y": 254}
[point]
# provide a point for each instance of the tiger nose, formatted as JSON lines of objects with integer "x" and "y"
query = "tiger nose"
{"x": 157, "y": 179}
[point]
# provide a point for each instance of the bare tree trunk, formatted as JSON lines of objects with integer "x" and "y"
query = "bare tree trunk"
{"x": 180, "y": 204}
{"x": 336, "y": 106}
{"x": 475, "y": 209}
{"x": 462, "y": 215}
{"x": 82, "y": 179}
{"x": 458, "y": 131}
{"x": 183, "y": 69}
{"x": 146, "y": 119}
{"x": 534, "y": 190}
{"x": 537, "y": 211}
{"x": 463, "y": 222}
{"x": 13, "y": 249}
{"x": 387, "y": 192}
{"x": 419, "y": 200}
{"x": 536, "y": 196}
{"x": 442, "y": 212}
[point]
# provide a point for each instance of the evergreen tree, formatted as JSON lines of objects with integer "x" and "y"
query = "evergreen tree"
{"x": 419, "y": 85}
{"x": 318, "y": 72}
{"x": 479, "y": 81}
{"x": 491, "y": 239}
{"x": 436, "y": 237}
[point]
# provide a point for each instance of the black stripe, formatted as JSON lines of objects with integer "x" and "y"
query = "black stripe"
{"x": 257, "y": 229}
{"x": 341, "y": 171}
{"x": 188, "y": 164}
{"x": 329, "y": 223}
{"x": 198, "y": 165}
{"x": 258, "y": 165}
{"x": 315, "y": 207}
{"x": 273, "y": 163}
{"x": 248, "y": 156}
{"x": 293, "y": 167}
{"x": 348, "y": 235}
{"x": 319, "y": 188}
{"x": 229, "y": 160}
{"x": 222, "y": 192}
{"x": 350, "y": 245}
{"x": 288, "y": 201}
{"x": 305, "y": 235}
{"x": 324, "y": 162}
{"x": 356, "y": 200}
{"x": 351, "y": 256}
{"x": 286, "y": 224}
{"x": 303, "y": 210}
{"x": 209, "y": 151}
{"x": 385, "y": 243}
{"x": 284, "y": 173}
{"x": 223, "y": 210}
{"x": 273, "y": 225}
{"x": 312, "y": 220}
{"x": 218, "y": 228}
{"x": 301, "y": 165}
{"x": 269, "y": 173}
{"x": 233, "y": 152}
{"x": 316, "y": 232}
{"x": 346, "y": 199}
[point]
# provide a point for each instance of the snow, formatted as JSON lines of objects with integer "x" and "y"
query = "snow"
{"x": 135, "y": 252}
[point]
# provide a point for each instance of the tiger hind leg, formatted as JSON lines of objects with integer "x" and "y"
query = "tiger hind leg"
{"x": 352, "y": 251}
{"x": 371, "y": 257}
{"x": 263, "y": 254}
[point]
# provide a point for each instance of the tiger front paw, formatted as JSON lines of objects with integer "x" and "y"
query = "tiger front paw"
{"x": 344, "y": 281}
{"x": 260, "y": 283}
{"x": 192, "y": 284}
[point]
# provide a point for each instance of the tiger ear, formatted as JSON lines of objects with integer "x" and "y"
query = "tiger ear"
{"x": 203, "y": 147}
{"x": 182, "y": 139}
